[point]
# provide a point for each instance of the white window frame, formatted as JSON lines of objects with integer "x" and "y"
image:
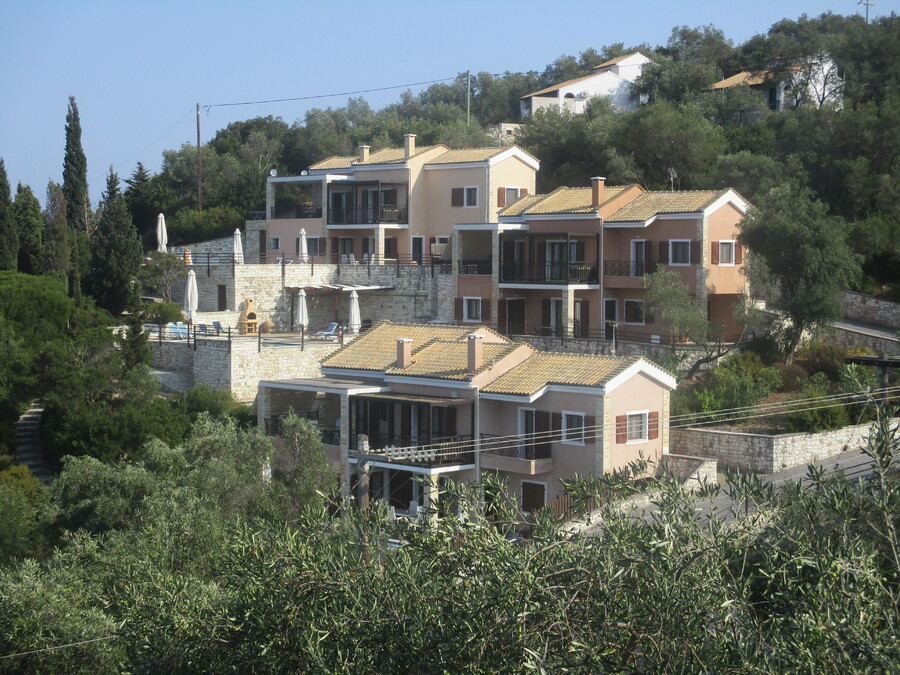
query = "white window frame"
{"x": 466, "y": 317}
{"x": 672, "y": 243}
{"x": 517, "y": 190}
{"x": 274, "y": 243}
{"x": 565, "y": 427}
{"x": 642, "y": 322}
{"x": 521, "y": 495}
{"x": 726, "y": 242}
{"x": 442, "y": 240}
{"x": 633, "y": 252}
{"x": 466, "y": 203}
{"x": 645, "y": 421}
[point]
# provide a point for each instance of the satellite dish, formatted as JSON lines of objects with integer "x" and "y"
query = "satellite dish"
{"x": 304, "y": 172}
{"x": 273, "y": 173}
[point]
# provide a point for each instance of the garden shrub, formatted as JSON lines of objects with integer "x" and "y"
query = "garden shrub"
{"x": 818, "y": 357}
{"x": 766, "y": 348}
{"x": 811, "y": 418}
{"x": 164, "y": 312}
{"x": 793, "y": 376}
{"x": 742, "y": 380}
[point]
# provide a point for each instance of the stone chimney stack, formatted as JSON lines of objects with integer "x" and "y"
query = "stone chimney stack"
{"x": 404, "y": 353}
{"x": 409, "y": 145}
{"x": 598, "y": 186}
{"x": 364, "y": 153}
{"x": 476, "y": 356}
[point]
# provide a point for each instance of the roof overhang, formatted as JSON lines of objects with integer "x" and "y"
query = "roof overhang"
{"x": 369, "y": 226}
{"x": 490, "y": 227}
{"x": 327, "y": 385}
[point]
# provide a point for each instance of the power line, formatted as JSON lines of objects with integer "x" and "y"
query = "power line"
{"x": 440, "y": 450}
{"x": 318, "y": 96}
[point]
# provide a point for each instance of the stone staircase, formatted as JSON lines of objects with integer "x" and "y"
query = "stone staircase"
{"x": 28, "y": 443}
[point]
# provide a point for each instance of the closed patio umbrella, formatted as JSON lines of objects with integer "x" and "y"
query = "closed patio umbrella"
{"x": 355, "y": 321}
{"x": 302, "y": 311}
{"x": 162, "y": 237}
{"x": 302, "y": 254}
{"x": 238, "y": 248}
{"x": 191, "y": 297}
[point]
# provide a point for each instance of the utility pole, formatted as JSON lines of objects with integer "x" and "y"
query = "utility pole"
{"x": 199, "y": 165}
{"x": 468, "y": 96}
{"x": 867, "y": 3}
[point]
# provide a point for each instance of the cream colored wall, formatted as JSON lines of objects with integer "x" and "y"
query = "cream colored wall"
{"x": 511, "y": 172}
{"x": 638, "y": 393}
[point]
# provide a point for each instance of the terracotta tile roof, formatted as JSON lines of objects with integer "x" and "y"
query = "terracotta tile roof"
{"x": 545, "y": 368}
{"x": 520, "y": 205}
{"x": 612, "y": 62}
{"x": 750, "y": 78}
{"x": 383, "y": 156}
{"x": 548, "y": 90}
{"x": 649, "y": 204}
{"x": 465, "y": 155}
{"x": 562, "y": 200}
{"x": 376, "y": 349}
{"x": 449, "y": 360}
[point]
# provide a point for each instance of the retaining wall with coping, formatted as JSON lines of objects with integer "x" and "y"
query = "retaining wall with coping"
{"x": 763, "y": 453}
{"x": 692, "y": 471}
{"x": 872, "y": 310}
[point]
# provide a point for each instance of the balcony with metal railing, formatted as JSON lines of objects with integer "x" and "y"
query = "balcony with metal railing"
{"x": 551, "y": 273}
{"x": 516, "y": 455}
{"x": 367, "y": 215}
{"x": 411, "y": 451}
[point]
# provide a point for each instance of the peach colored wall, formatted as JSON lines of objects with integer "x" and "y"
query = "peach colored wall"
{"x": 638, "y": 393}
{"x": 723, "y": 225}
{"x": 474, "y": 285}
{"x": 721, "y": 310}
{"x": 501, "y": 418}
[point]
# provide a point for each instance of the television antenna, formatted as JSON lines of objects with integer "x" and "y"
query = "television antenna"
{"x": 867, "y": 3}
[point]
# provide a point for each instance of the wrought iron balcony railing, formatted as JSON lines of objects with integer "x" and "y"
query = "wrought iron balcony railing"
{"x": 548, "y": 272}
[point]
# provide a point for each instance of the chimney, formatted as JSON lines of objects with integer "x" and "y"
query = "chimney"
{"x": 598, "y": 185}
{"x": 476, "y": 358}
{"x": 409, "y": 145}
{"x": 364, "y": 153}
{"x": 404, "y": 353}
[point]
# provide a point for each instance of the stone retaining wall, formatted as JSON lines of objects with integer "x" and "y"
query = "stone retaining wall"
{"x": 762, "y": 453}
{"x": 240, "y": 369}
{"x": 869, "y": 309}
{"x": 850, "y": 339}
{"x": 692, "y": 471}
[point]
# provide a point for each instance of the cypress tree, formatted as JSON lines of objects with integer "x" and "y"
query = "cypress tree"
{"x": 116, "y": 253}
{"x": 75, "y": 186}
{"x": 29, "y": 226}
{"x": 55, "y": 255}
{"x": 9, "y": 241}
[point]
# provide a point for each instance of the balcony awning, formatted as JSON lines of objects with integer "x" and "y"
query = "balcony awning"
{"x": 412, "y": 398}
{"x": 340, "y": 288}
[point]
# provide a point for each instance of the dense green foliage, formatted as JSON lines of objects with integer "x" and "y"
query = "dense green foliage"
{"x": 9, "y": 238}
{"x": 806, "y": 253}
{"x": 186, "y": 560}
{"x": 55, "y": 255}
{"x": 30, "y": 230}
{"x": 115, "y": 253}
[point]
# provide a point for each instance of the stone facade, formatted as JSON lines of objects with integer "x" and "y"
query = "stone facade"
{"x": 762, "y": 453}
{"x": 872, "y": 310}
{"x": 240, "y": 366}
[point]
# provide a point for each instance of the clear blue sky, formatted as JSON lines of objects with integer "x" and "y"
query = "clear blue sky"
{"x": 137, "y": 69}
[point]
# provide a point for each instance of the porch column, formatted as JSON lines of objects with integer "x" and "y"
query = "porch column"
{"x": 495, "y": 280}
{"x": 568, "y": 311}
{"x": 263, "y": 407}
{"x": 345, "y": 446}
{"x": 429, "y": 492}
{"x": 379, "y": 245}
{"x": 270, "y": 198}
